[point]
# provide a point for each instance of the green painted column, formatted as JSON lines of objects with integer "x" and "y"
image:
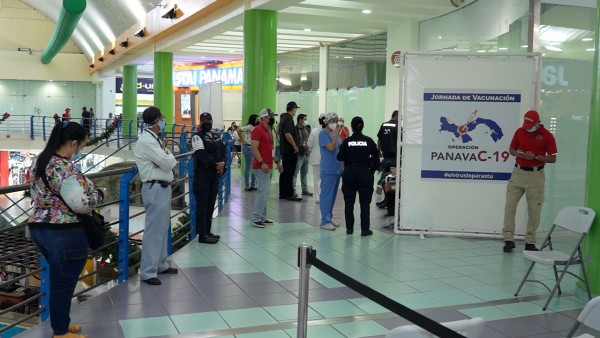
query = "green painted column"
{"x": 163, "y": 85}
{"x": 260, "y": 62}
{"x": 591, "y": 249}
{"x": 129, "y": 99}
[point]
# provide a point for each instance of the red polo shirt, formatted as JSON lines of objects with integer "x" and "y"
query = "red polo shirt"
{"x": 540, "y": 142}
{"x": 265, "y": 146}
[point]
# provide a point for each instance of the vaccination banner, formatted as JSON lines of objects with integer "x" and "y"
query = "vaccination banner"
{"x": 467, "y": 133}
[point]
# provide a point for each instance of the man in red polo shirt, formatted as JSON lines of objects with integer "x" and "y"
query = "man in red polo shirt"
{"x": 262, "y": 164}
{"x": 534, "y": 146}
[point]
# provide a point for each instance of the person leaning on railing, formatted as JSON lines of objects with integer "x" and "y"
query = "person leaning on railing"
{"x": 55, "y": 229}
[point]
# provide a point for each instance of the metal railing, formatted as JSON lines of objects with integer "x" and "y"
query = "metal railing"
{"x": 20, "y": 254}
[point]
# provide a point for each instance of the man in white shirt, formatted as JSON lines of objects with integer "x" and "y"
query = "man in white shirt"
{"x": 155, "y": 165}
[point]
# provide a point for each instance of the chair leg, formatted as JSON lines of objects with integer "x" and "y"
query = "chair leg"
{"x": 573, "y": 329}
{"x": 556, "y": 278}
{"x": 557, "y": 286}
{"x": 585, "y": 278}
{"x": 524, "y": 279}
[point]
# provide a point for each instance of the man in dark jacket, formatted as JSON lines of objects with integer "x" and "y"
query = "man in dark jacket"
{"x": 209, "y": 155}
{"x": 288, "y": 142}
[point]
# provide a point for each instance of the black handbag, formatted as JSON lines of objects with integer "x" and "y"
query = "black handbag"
{"x": 95, "y": 225}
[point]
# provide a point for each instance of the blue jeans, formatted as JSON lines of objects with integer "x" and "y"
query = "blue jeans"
{"x": 248, "y": 157}
{"x": 66, "y": 251}
{"x": 302, "y": 168}
{"x": 263, "y": 180}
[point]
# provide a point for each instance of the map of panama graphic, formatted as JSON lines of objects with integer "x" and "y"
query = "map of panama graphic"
{"x": 461, "y": 132}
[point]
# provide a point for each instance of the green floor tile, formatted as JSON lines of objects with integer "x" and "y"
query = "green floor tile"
{"x": 336, "y": 308}
{"x": 461, "y": 282}
{"x": 286, "y": 313}
{"x": 247, "y": 317}
{"x": 266, "y": 334}
{"x": 453, "y": 297}
{"x": 147, "y": 327}
{"x": 196, "y": 322}
{"x": 237, "y": 268}
{"x": 488, "y": 293}
{"x": 361, "y": 329}
{"x": 417, "y": 301}
{"x": 324, "y": 331}
{"x": 523, "y": 309}
{"x": 561, "y": 303}
{"x": 368, "y": 306}
{"x": 192, "y": 262}
{"x": 397, "y": 288}
{"x": 280, "y": 275}
{"x": 488, "y": 313}
{"x": 427, "y": 285}
{"x": 440, "y": 273}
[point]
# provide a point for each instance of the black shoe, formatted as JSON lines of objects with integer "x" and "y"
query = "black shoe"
{"x": 259, "y": 224}
{"x": 267, "y": 221}
{"x": 382, "y": 205}
{"x": 366, "y": 233}
{"x": 530, "y": 247}
{"x": 248, "y": 189}
{"x": 253, "y": 189}
{"x": 294, "y": 198}
{"x": 169, "y": 271}
{"x": 349, "y": 231}
{"x": 508, "y": 246}
{"x": 210, "y": 234}
{"x": 207, "y": 240}
{"x": 152, "y": 281}
{"x": 307, "y": 193}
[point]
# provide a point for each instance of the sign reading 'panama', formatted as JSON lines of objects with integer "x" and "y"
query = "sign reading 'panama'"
{"x": 230, "y": 76}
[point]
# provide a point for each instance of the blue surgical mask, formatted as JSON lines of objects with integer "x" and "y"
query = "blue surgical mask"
{"x": 162, "y": 124}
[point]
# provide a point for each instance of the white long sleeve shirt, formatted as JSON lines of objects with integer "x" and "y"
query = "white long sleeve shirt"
{"x": 153, "y": 159}
{"x": 313, "y": 146}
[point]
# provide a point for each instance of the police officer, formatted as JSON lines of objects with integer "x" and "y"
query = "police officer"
{"x": 209, "y": 154}
{"x": 387, "y": 143}
{"x": 362, "y": 159}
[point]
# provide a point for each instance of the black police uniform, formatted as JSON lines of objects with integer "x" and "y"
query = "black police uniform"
{"x": 388, "y": 141}
{"x": 206, "y": 178}
{"x": 362, "y": 159}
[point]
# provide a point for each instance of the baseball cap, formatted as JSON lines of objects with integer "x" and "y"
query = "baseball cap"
{"x": 205, "y": 116}
{"x": 67, "y": 109}
{"x": 531, "y": 118}
{"x": 266, "y": 112}
{"x": 291, "y": 105}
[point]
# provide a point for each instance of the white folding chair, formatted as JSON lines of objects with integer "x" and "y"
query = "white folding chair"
{"x": 589, "y": 316}
{"x": 574, "y": 219}
{"x": 470, "y": 328}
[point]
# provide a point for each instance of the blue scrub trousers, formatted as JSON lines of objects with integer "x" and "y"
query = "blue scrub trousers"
{"x": 329, "y": 189}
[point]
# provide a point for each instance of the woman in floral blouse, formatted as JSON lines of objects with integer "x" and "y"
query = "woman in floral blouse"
{"x": 55, "y": 229}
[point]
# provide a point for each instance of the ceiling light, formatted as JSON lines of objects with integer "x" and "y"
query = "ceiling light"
{"x": 553, "y": 48}
{"x": 502, "y": 48}
{"x": 590, "y": 49}
{"x": 587, "y": 39}
{"x": 111, "y": 52}
{"x": 141, "y": 33}
{"x": 524, "y": 46}
{"x": 366, "y": 11}
{"x": 481, "y": 51}
{"x": 124, "y": 44}
{"x": 24, "y": 49}
{"x": 285, "y": 82}
{"x": 231, "y": 51}
{"x": 303, "y": 78}
{"x": 348, "y": 57}
{"x": 101, "y": 59}
{"x": 307, "y": 29}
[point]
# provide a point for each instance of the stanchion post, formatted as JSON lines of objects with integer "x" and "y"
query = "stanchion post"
{"x": 192, "y": 197}
{"x": 304, "y": 251}
{"x": 123, "y": 245}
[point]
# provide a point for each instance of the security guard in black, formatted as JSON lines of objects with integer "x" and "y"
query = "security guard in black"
{"x": 362, "y": 159}
{"x": 210, "y": 157}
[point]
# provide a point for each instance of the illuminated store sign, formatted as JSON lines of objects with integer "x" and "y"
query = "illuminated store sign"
{"x": 231, "y": 76}
{"x": 144, "y": 86}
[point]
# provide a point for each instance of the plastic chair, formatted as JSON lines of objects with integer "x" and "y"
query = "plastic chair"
{"x": 470, "y": 328}
{"x": 589, "y": 316}
{"x": 574, "y": 219}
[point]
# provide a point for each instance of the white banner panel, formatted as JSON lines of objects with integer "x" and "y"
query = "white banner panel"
{"x": 459, "y": 114}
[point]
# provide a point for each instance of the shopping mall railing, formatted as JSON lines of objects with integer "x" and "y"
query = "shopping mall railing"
{"x": 20, "y": 261}
{"x": 307, "y": 257}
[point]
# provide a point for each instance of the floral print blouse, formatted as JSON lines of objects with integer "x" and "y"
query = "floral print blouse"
{"x": 66, "y": 179}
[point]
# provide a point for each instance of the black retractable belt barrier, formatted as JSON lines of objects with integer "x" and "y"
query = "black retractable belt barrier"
{"x": 397, "y": 308}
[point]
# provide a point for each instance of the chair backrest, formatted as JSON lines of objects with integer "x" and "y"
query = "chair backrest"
{"x": 590, "y": 315}
{"x": 576, "y": 219}
{"x": 470, "y": 328}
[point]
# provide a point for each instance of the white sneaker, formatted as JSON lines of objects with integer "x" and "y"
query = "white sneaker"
{"x": 335, "y": 224}
{"x": 389, "y": 222}
{"x": 328, "y": 226}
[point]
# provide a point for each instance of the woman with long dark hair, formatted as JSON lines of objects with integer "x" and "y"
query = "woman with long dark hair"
{"x": 58, "y": 189}
{"x": 249, "y": 179}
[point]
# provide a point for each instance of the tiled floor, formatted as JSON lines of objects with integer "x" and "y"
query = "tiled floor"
{"x": 247, "y": 284}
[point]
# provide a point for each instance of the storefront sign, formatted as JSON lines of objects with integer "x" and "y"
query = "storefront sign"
{"x": 231, "y": 77}
{"x": 144, "y": 86}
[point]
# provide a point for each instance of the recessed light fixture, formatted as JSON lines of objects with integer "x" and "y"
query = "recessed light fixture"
{"x": 366, "y": 11}
{"x": 502, "y": 48}
{"x": 553, "y": 48}
{"x": 231, "y": 51}
{"x": 303, "y": 78}
{"x": 590, "y": 49}
{"x": 587, "y": 39}
{"x": 307, "y": 29}
{"x": 348, "y": 57}
{"x": 481, "y": 51}
{"x": 439, "y": 37}
{"x": 524, "y": 46}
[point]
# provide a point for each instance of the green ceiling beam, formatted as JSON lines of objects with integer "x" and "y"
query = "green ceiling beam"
{"x": 70, "y": 14}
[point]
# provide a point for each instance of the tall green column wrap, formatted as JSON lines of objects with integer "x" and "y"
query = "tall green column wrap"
{"x": 163, "y": 85}
{"x": 129, "y": 99}
{"x": 260, "y": 62}
{"x": 591, "y": 249}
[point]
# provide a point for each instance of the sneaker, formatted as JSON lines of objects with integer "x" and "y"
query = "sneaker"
{"x": 389, "y": 222}
{"x": 259, "y": 224}
{"x": 349, "y": 231}
{"x": 307, "y": 193}
{"x": 267, "y": 221}
{"x": 328, "y": 226}
{"x": 509, "y": 246}
{"x": 253, "y": 189}
{"x": 530, "y": 247}
{"x": 335, "y": 224}
{"x": 378, "y": 190}
{"x": 248, "y": 189}
{"x": 366, "y": 233}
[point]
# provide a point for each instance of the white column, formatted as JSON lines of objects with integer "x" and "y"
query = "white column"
{"x": 323, "y": 76}
{"x": 400, "y": 37}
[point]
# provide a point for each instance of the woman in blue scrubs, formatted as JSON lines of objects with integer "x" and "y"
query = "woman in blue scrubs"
{"x": 331, "y": 169}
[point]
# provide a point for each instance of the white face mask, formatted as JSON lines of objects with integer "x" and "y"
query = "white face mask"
{"x": 532, "y": 129}
{"x": 332, "y": 126}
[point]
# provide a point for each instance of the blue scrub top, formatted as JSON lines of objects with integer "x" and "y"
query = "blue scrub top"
{"x": 329, "y": 163}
